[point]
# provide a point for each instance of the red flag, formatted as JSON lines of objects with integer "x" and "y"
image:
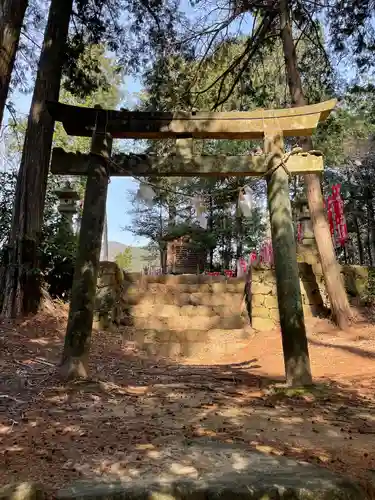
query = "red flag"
{"x": 252, "y": 258}
{"x": 266, "y": 253}
{"x": 341, "y": 228}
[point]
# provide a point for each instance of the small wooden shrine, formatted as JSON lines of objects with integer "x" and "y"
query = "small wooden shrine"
{"x": 184, "y": 255}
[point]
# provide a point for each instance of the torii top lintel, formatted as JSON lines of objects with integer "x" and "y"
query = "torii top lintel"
{"x": 292, "y": 122}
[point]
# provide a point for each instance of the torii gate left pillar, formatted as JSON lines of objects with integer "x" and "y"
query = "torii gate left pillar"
{"x": 74, "y": 362}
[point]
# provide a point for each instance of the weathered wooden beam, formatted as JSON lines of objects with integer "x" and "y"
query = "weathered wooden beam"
{"x": 298, "y": 121}
{"x": 64, "y": 163}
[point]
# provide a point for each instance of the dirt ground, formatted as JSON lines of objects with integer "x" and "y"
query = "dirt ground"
{"x": 137, "y": 415}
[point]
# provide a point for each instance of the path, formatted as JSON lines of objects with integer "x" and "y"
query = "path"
{"x": 138, "y": 415}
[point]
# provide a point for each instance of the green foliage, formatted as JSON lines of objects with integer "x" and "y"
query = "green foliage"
{"x": 124, "y": 259}
{"x": 8, "y": 181}
{"x": 58, "y": 252}
{"x": 339, "y": 137}
{"x": 225, "y": 78}
{"x": 107, "y": 95}
{"x": 371, "y": 285}
{"x": 353, "y": 31}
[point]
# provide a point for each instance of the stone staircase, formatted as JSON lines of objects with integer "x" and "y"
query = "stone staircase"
{"x": 185, "y": 316}
{"x": 190, "y": 316}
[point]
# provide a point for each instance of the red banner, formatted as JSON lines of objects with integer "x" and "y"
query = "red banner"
{"x": 341, "y": 228}
{"x": 336, "y": 217}
{"x": 299, "y": 232}
{"x": 266, "y": 253}
{"x": 243, "y": 265}
{"x": 252, "y": 258}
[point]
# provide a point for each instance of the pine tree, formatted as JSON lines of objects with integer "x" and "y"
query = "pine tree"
{"x": 11, "y": 19}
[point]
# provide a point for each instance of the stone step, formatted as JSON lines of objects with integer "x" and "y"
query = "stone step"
{"x": 183, "y": 279}
{"x": 174, "y": 297}
{"x": 145, "y": 309}
{"x": 182, "y": 323}
{"x": 189, "y": 342}
{"x": 160, "y": 288}
{"x": 218, "y": 470}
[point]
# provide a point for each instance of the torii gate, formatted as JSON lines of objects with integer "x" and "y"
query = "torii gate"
{"x": 269, "y": 125}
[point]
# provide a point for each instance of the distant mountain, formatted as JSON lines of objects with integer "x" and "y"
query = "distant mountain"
{"x": 140, "y": 256}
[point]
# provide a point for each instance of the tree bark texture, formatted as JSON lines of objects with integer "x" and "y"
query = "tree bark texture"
{"x": 105, "y": 239}
{"x": 371, "y": 221}
{"x": 210, "y": 229}
{"x": 22, "y": 279}
{"x": 293, "y": 332}
{"x": 359, "y": 241}
{"x": 335, "y": 287}
{"x": 78, "y": 332}
{"x": 12, "y": 13}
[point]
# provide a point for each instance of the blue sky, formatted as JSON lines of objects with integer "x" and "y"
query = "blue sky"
{"x": 118, "y": 205}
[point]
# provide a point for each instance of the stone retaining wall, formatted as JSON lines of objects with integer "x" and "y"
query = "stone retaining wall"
{"x": 264, "y": 308}
{"x": 108, "y": 310}
{"x": 160, "y": 305}
{"x": 265, "y": 313}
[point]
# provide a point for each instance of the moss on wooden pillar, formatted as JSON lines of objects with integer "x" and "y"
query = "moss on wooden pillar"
{"x": 78, "y": 334}
{"x": 293, "y": 331}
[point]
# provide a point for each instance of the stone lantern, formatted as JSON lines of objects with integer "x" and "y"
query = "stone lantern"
{"x": 67, "y": 203}
{"x": 302, "y": 214}
{"x": 306, "y": 248}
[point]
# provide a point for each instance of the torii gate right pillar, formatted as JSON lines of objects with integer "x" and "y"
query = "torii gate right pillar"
{"x": 293, "y": 331}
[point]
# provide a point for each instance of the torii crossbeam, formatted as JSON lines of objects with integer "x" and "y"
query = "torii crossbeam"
{"x": 105, "y": 125}
{"x": 293, "y": 122}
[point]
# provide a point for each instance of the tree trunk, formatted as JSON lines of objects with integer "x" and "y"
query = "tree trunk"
{"x": 239, "y": 232}
{"x": 293, "y": 332}
{"x": 74, "y": 363}
{"x": 105, "y": 239}
{"x": 172, "y": 214}
{"x": 335, "y": 287}
{"x": 371, "y": 215}
{"x": 22, "y": 277}
{"x": 12, "y": 13}
{"x": 163, "y": 257}
{"x": 210, "y": 229}
{"x": 359, "y": 240}
{"x": 368, "y": 246}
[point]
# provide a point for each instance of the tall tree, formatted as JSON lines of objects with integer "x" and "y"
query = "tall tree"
{"x": 332, "y": 277}
{"x": 12, "y": 13}
{"x": 108, "y": 92}
{"x": 22, "y": 280}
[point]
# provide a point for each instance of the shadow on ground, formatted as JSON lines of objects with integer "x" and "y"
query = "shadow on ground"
{"x": 140, "y": 416}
